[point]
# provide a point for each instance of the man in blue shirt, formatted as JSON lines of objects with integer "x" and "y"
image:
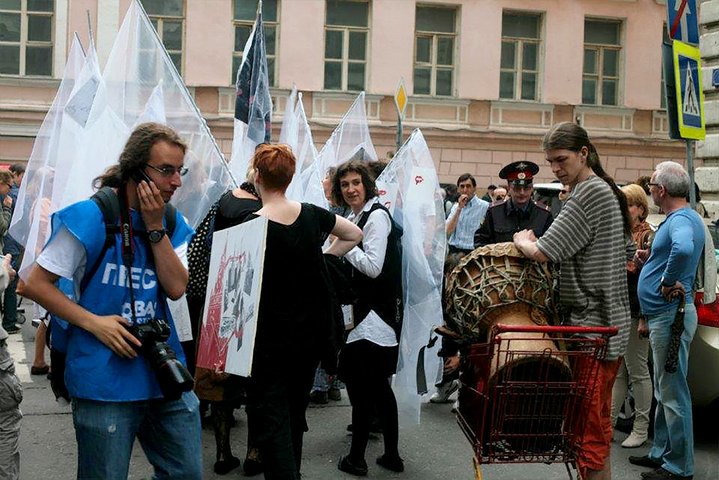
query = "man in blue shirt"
{"x": 116, "y": 393}
{"x": 465, "y": 217}
{"x": 667, "y": 274}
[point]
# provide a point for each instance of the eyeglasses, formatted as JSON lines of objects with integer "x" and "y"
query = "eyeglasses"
{"x": 168, "y": 171}
{"x": 654, "y": 184}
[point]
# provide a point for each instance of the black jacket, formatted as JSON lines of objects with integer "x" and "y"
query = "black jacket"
{"x": 504, "y": 220}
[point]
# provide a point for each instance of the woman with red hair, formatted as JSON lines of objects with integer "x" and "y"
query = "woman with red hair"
{"x": 291, "y": 330}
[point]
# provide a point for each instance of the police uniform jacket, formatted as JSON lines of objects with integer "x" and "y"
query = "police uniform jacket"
{"x": 504, "y": 220}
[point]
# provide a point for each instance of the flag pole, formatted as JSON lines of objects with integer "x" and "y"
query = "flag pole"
{"x": 690, "y": 169}
{"x": 187, "y": 94}
{"x": 89, "y": 27}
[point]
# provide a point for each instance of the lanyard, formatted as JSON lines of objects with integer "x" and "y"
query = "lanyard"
{"x": 128, "y": 248}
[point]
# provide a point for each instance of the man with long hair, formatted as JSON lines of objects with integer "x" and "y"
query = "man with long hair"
{"x": 123, "y": 281}
{"x": 589, "y": 240}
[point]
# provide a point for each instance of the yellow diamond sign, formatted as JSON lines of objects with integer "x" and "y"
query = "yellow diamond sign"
{"x": 400, "y": 98}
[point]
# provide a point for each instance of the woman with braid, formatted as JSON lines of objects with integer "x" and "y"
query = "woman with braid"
{"x": 590, "y": 239}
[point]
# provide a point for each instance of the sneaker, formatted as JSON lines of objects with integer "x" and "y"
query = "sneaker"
{"x": 634, "y": 440}
{"x": 353, "y": 468}
{"x": 645, "y": 461}
{"x": 444, "y": 392}
{"x": 319, "y": 397}
{"x": 661, "y": 474}
{"x": 334, "y": 394}
{"x": 13, "y": 329}
{"x": 455, "y": 407}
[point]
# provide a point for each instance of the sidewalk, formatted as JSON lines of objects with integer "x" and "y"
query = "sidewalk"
{"x": 434, "y": 450}
{"x": 47, "y": 443}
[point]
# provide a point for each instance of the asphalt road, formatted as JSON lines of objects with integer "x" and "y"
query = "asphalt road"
{"x": 436, "y": 449}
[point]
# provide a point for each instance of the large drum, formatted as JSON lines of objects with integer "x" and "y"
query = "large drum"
{"x": 497, "y": 282}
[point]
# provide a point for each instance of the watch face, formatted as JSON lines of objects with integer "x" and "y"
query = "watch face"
{"x": 156, "y": 235}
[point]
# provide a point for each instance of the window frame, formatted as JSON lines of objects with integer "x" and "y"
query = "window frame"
{"x": 518, "y": 68}
{"x": 250, "y": 23}
{"x": 600, "y": 49}
{"x": 432, "y": 64}
{"x": 23, "y": 43}
{"x": 158, "y": 21}
{"x": 345, "y": 61}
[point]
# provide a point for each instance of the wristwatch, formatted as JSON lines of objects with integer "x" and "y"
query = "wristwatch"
{"x": 156, "y": 235}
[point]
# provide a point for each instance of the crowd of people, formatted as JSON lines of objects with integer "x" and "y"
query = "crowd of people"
{"x": 614, "y": 270}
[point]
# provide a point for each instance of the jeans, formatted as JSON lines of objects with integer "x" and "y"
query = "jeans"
{"x": 673, "y": 435}
{"x": 322, "y": 383}
{"x": 169, "y": 433}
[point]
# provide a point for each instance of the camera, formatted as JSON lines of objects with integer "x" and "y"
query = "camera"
{"x": 171, "y": 374}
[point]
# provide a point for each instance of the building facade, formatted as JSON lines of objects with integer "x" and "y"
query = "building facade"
{"x": 486, "y": 78}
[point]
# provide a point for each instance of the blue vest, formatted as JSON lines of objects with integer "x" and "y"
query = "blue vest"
{"x": 93, "y": 371}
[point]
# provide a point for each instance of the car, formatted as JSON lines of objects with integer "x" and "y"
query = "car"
{"x": 548, "y": 195}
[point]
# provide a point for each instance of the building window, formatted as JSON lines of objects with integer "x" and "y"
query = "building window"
{"x": 434, "y": 46}
{"x": 346, "y": 37}
{"x": 519, "y": 71}
{"x": 26, "y": 37}
{"x": 602, "y": 49}
{"x": 245, "y": 14}
{"x": 168, "y": 18}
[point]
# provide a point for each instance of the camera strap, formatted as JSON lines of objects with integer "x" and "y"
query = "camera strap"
{"x": 128, "y": 252}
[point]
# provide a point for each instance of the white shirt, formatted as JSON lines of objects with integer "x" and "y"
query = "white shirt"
{"x": 369, "y": 260}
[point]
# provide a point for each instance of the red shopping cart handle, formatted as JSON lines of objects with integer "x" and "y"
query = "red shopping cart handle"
{"x": 565, "y": 330}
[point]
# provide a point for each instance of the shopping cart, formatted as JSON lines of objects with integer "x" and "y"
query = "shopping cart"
{"x": 523, "y": 405}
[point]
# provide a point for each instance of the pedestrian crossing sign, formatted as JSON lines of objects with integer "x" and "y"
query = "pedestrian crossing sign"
{"x": 690, "y": 97}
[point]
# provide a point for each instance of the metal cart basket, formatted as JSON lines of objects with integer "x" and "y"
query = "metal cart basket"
{"x": 519, "y": 404}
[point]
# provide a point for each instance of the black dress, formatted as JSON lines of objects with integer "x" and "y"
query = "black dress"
{"x": 290, "y": 333}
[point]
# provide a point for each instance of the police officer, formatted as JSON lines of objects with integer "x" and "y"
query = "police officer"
{"x": 518, "y": 213}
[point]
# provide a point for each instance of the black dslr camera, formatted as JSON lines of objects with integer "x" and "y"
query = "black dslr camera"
{"x": 171, "y": 374}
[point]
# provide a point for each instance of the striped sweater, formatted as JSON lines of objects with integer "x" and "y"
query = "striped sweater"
{"x": 587, "y": 240}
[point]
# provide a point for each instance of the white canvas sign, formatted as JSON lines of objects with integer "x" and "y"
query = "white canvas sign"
{"x": 229, "y": 323}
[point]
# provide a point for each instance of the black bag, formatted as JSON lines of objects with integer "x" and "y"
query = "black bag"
{"x": 198, "y": 256}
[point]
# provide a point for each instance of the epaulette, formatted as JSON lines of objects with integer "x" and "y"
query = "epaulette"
{"x": 542, "y": 206}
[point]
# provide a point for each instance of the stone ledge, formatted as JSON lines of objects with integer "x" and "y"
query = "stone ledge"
{"x": 707, "y": 178}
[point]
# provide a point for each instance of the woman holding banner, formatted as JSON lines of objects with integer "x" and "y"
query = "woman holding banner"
{"x": 290, "y": 333}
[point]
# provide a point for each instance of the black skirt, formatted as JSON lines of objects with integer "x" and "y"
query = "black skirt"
{"x": 363, "y": 358}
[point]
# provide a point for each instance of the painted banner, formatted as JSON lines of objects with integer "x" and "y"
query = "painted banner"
{"x": 229, "y": 323}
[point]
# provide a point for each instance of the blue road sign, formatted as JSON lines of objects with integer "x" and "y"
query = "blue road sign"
{"x": 683, "y": 21}
{"x": 715, "y": 77}
{"x": 690, "y": 98}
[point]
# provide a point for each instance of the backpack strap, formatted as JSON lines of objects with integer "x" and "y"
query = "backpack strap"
{"x": 109, "y": 204}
